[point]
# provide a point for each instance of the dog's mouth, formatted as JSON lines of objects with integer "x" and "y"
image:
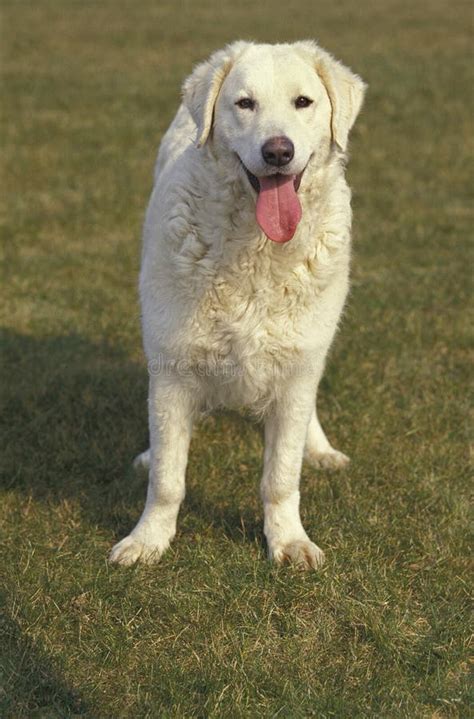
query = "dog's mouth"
{"x": 278, "y": 209}
{"x": 255, "y": 181}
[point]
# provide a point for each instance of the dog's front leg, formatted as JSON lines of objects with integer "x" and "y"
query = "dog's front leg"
{"x": 286, "y": 429}
{"x": 171, "y": 411}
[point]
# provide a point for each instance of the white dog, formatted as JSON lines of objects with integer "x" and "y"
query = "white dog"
{"x": 245, "y": 273}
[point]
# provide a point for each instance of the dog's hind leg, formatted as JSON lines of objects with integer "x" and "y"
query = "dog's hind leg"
{"x": 318, "y": 451}
{"x": 142, "y": 461}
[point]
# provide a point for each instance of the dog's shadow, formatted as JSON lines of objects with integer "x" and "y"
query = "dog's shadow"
{"x": 32, "y": 679}
{"x": 75, "y": 415}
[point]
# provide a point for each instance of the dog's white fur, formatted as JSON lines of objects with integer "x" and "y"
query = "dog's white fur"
{"x": 230, "y": 318}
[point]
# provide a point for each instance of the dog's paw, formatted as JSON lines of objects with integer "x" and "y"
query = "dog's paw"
{"x": 302, "y": 552}
{"x": 142, "y": 461}
{"x": 132, "y": 549}
{"x": 327, "y": 460}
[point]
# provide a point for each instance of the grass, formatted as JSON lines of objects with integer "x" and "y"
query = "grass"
{"x": 214, "y": 630}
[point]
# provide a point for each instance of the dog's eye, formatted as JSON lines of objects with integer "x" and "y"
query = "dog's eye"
{"x": 246, "y": 103}
{"x": 303, "y": 101}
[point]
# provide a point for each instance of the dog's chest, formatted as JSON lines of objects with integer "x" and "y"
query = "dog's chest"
{"x": 252, "y": 327}
{"x": 257, "y": 311}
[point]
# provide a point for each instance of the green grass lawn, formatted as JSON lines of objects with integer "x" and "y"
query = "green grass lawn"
{"x": 214, "y": 630}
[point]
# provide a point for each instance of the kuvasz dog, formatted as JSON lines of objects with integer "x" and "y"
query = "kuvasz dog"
{"x": 244, "y": 274}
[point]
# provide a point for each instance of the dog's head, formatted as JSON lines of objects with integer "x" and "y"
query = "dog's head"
{"x": 275, "y": 108}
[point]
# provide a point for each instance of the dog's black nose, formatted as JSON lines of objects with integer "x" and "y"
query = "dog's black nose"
{"x": 278, "y": 151}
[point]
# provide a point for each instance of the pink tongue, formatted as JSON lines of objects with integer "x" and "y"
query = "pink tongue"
{"x": 278, "y": 207}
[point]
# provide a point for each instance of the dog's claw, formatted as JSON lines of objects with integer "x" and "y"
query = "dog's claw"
{"x": 130, "y": 550}
{"x": 302, "y": 553}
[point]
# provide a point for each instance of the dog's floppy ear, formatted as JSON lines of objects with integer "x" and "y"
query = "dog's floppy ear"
{"x": 201, "y": 88}
{"x": 346, "y": 93}
{"x": 345, "y": 90}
